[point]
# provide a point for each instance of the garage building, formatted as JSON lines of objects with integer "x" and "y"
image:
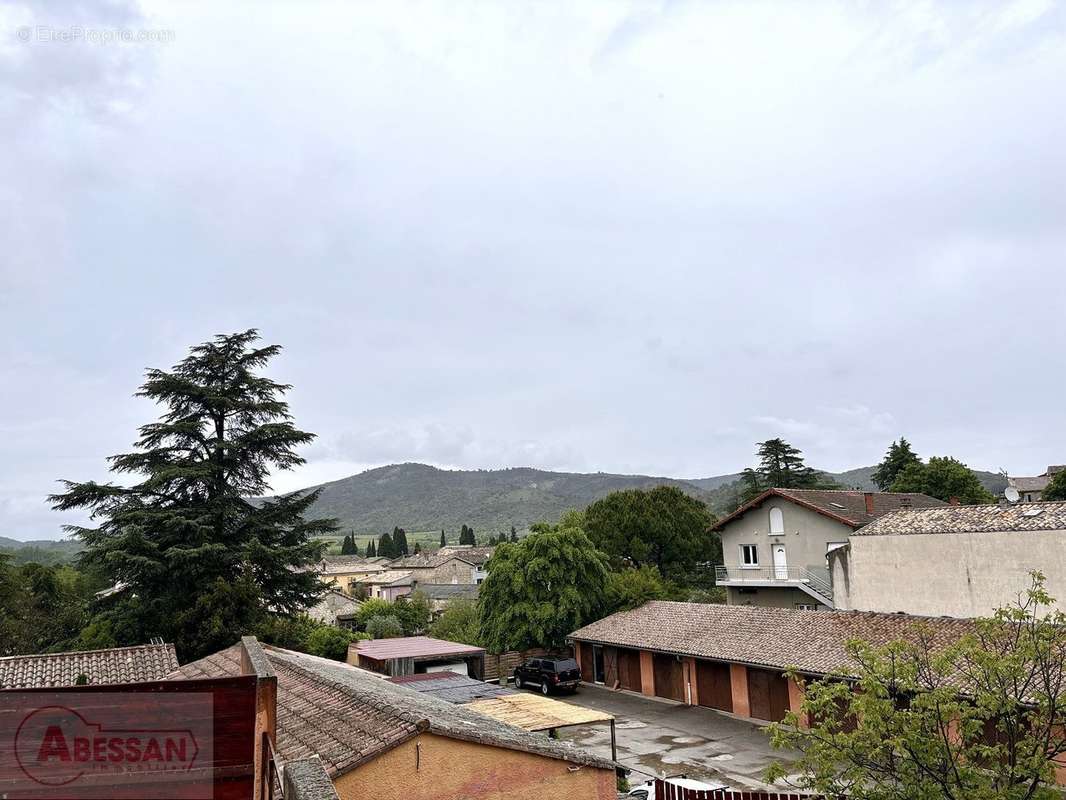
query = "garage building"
{"x": 732, "y": 658}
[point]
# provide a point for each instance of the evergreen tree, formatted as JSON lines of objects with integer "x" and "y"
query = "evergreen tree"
{"x": 386, "y": 547}
{"x": 355, "y": 545}
{"x": 348, "y": 546}
{"x": 514, "y": 534}
{"x": 399, "y": 542}
{"x": 202, "y": 564}
{"x": 898, "y": 458}
{"x": 418, "y": 548}
{"x": 443, "y": 541}
{"x": 371, "y": 549}
{"x": 780, "y": 467}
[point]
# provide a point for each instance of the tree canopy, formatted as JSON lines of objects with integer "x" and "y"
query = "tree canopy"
{"x": 1056, "y": 487}
{"x": 541, "y": 588}
{"x": 662, "y": 527}
{"x": 976, "y": 720}
{"x": 459, "y": 622}
{"x": 781, "y": 466}
{"x": 898, "y": 458}
{"x": 944, "y": 478}
{"x": 201, "y": 563}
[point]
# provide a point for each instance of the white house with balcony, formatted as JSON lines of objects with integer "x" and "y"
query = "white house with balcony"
{"x": 775, "y": 547}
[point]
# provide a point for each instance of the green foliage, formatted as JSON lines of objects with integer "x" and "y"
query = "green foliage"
{"x": 374, "y": 607}
{"x": 384, "y": 627}
{"x": 414, "y": 613}
{"x": 976, "y": 720}
{"x": 631, "y": 588}
{"x": 715, "y": 594}
{"x": 328, "y": 641}
{"x": 898, "y": 458}
{"x": 443, "y": 541}
{"x": 371, "y": 550}
{"x": 943, "y": 478}
{"x": 514, "y": 534}
{"x": 459, "y": 622}
{"x": 385, "y": 547}
{"x": 1056, "y": 487}
{"x": 399, "y": 542}
{"x": 349, "y": 546}
{"x": 43, "y": 607}
{"x": 466, "y": 536}
{"x": 203, "y": 562}
{"x": 306, "y": 635}
{"x": 418, "y": 549}
{"x": 542, "y": 588}
{"x": 781, "y": 467}
{"x": 663, "y": 527}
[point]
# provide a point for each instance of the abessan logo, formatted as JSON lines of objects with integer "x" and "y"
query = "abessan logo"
{"x": 56, "y": 746}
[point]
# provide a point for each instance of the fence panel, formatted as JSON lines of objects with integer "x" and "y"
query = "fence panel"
{"x": 666, "y": 791}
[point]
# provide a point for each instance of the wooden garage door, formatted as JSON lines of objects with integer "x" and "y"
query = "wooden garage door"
{"x": 767, "y": 694}
{"x": 586, "y": 662}
{"x": 669, "y": 682}
{"x": 629, "y": 669}
{"x": 714, "y": 685}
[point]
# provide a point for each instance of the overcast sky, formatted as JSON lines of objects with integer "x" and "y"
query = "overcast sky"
{"x": 577, "y": 236}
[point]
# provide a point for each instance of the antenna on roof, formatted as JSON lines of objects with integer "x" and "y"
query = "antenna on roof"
{"x": 1011, "y": 494}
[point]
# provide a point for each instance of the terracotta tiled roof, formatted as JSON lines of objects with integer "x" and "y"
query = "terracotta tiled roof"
{"x": 391, "y": 577}
{"x": 845, "y": 506}
{"x": 1037, "y": 483}
{"x": 413, "y": 647}
{"x": 811, "y": 641}
{"x": 150, "y": 662}
{"x": 348, "y": 716}
{"x": 1050, "y": 516}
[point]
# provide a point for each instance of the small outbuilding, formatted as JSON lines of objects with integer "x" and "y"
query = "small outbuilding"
{"x": 412, "y": 655}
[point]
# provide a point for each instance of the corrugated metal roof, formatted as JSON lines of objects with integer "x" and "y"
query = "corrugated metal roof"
{"x": 451, "y": 686}
{"x": 414, "y": 647}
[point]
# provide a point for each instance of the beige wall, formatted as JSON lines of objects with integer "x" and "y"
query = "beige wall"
{"x": 432, "y": 767}
{"x": 805, "y": 538}
{"x": 947, "y": 574}
{"x": 453, "y": 571}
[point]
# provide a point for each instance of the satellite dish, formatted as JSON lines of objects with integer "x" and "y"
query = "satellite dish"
{"x": 1012, "y": 494}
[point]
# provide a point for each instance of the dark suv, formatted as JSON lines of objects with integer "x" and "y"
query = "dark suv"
{"x": 548, "y": 674}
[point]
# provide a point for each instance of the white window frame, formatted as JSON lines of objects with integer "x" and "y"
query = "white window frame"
{"x": 744, "y": 563}
{"x": 780, "y": 516}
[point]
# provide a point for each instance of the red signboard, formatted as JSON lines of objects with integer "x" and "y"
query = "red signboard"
{"x": 193, "y": 740}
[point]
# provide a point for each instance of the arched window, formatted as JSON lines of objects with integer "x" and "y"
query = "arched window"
{"x": 777, "y": 521}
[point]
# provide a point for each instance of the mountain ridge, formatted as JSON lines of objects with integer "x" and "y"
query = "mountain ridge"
{"x": 420, "y": 497}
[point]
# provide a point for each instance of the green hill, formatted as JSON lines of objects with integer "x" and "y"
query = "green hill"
{"x": 417, "y": 497}
{"x": 42, "y": 551}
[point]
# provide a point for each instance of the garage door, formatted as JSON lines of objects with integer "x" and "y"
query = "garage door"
{"x": 767, "y": 694}
{"x": 669, "y": 682}
{"x": 629, "y": 669}
{"x": 714, "y": 685}
{"x": 586, "y": 662}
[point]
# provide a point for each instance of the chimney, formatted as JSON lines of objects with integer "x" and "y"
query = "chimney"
{"x": 869, "y": 498}
{"x": 953, "y": 501}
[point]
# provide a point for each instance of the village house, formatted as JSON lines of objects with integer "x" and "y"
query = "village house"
{"x": 959, "y": 561}
{"x": 732, "y": 658}
{"x": 774, "y": 548}
{"x": 344, "y": 570}
{"x": 388, "y": 585}
{"x": 335, "y": 608}
{"x": 440, "y": 594}
{"x": 379, "y": 739}
{"x": 1031, "y": 489}
{"x": 463, "y": 564}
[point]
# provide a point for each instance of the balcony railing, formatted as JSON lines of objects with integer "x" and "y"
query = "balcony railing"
{"x": 729, "y": 575}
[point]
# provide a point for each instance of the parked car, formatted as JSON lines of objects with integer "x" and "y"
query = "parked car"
{"x": 646, "y": 791}
{"x": 548, "y": 674}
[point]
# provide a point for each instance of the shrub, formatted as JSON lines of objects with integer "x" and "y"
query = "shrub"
{"x": 458, "y": 623}
{"x": 386, "y": 626}
{"x": 330, "y": 642}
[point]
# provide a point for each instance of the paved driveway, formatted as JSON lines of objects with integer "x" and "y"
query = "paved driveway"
{"x": 658, "y": 737}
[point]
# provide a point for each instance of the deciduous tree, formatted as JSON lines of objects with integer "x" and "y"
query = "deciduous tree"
{"x": 541, "y": 589}
{"x": 977, "y": 719}
{"x": 1056, "y": 487}
{"x": 944, "y": 478}
{"x": 663, "y": 527}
